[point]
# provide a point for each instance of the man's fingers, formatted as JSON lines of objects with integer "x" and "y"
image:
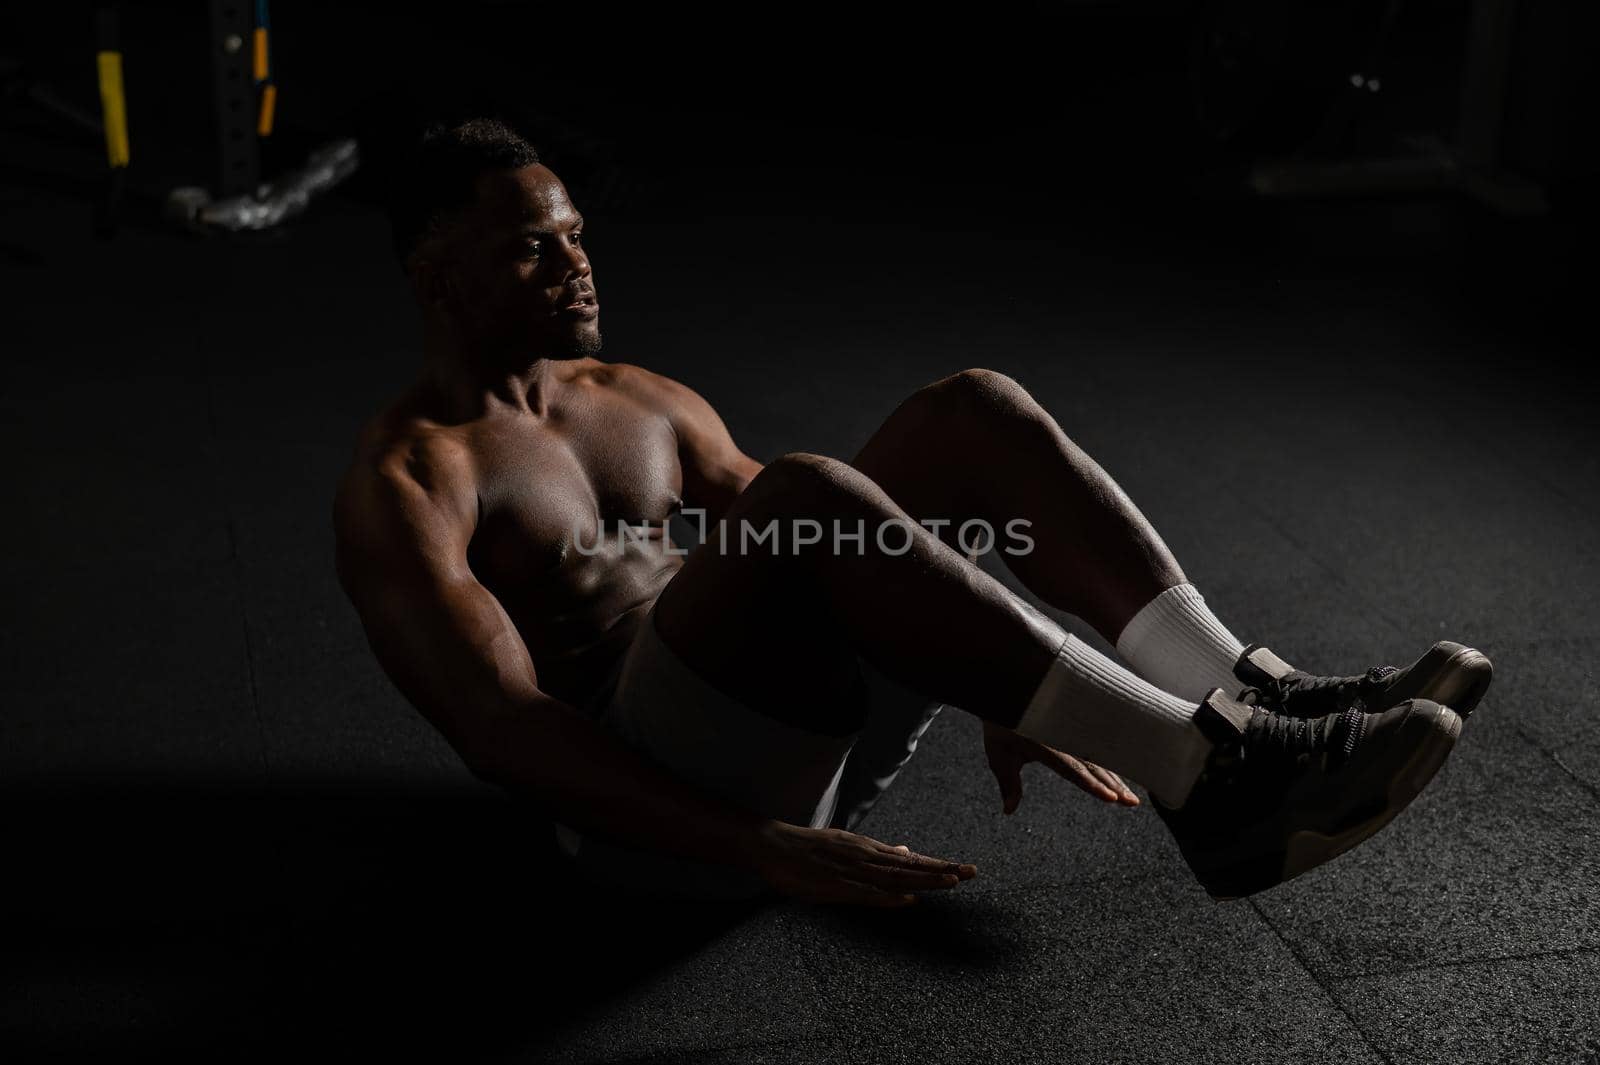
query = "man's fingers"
{"x": 1076, "y": 771}
{"x": 924, "y": 863}
{"x": 901, "y": 878}
{"x": 896, "y": 851}
{"x": 1125, "y": 794}
{"x": 901, "y": 856}
{"x": 847, "y": 868}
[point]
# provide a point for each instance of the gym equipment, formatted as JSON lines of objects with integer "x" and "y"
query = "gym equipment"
{"x": 269, "y": 204}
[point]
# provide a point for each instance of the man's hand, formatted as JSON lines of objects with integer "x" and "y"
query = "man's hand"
{"x": 832, "y": 865}
{"x": 1009, "y": 752}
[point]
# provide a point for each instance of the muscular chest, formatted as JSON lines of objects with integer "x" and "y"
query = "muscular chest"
{"x": 555, "y": 490}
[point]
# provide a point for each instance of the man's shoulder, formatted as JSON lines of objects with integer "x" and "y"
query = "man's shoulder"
{"x": 404, "y": 462}
{"x": 643, "y": 385}
{"x": 405, "y": 441}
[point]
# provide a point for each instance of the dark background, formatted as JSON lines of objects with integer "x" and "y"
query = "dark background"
{"x": 1362, "y": 423}
{"x": 1127, "y": 128}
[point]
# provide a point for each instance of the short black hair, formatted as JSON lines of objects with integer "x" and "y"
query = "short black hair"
{"x": 441, "y": 174}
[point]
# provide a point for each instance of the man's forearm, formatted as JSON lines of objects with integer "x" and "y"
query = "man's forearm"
{"x": 593, "y": 782}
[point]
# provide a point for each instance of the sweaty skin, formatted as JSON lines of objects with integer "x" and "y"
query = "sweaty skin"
{"x": 458, "y": 526}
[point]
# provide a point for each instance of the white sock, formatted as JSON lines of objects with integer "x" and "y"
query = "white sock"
{"x": 1176, "y": 643}
{"x": 1092, "y": 708}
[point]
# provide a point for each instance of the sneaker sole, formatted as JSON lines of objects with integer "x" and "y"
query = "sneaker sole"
{"x": 1307, "y": 849}
{"x": 1457, "y": 676}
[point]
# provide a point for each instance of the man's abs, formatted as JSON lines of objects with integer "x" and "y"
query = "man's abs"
{"x": 576, "y": 646}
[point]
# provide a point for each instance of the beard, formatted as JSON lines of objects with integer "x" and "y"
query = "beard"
{"x": 564, "y": 339}
{"x": 583, "y": 344}
{"x": 515, "y": 344}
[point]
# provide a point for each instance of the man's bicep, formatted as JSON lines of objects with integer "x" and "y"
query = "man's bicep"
{"x": 715, "y": 470}
{"x": 444, "y": 639}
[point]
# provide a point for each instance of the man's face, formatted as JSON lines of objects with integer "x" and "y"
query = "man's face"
{"x": 518, "y": 279}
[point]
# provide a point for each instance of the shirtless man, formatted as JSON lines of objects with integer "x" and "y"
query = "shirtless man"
{"x": 708, "y": 710}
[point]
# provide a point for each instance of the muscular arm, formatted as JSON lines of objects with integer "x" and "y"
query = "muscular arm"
{"x": 454, "y": 653}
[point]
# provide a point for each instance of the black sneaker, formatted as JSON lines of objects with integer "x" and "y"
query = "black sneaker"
{"x": 1281, "y": 795}
{"x": 1450, "y": 673}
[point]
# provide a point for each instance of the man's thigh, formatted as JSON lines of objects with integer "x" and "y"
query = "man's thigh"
{"x": 925, "y": 455}
{"x": 747, "y": 619}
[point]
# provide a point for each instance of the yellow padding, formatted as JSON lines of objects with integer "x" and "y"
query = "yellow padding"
{"x": 269, "y": 103}
{"x": 260, "y": 38}
{"x": 113, "y": 107}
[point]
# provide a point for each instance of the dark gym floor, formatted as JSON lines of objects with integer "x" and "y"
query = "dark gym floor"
{"x": 227, "y": 835}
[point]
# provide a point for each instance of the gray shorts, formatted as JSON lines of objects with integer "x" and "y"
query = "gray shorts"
{"x": 659, "y": 706}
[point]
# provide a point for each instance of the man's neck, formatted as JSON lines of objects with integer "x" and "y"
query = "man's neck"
{"x": 470, "y": 381}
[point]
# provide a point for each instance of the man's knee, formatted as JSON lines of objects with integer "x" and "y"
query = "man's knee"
{"x": 981, "y": 393}
{"x": 804, "y": 481}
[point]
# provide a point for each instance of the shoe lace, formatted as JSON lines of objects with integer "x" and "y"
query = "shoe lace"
{"x": 1275, "y": 692}
{"x": 1307, "y": 684}
{"x": 1277, "y": 734}
{"x": 1258, "y": 696}
{"x": 1267, "y": 694}
{"x": 1376, "y": 679}
{"x": 1280, "y": 736}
